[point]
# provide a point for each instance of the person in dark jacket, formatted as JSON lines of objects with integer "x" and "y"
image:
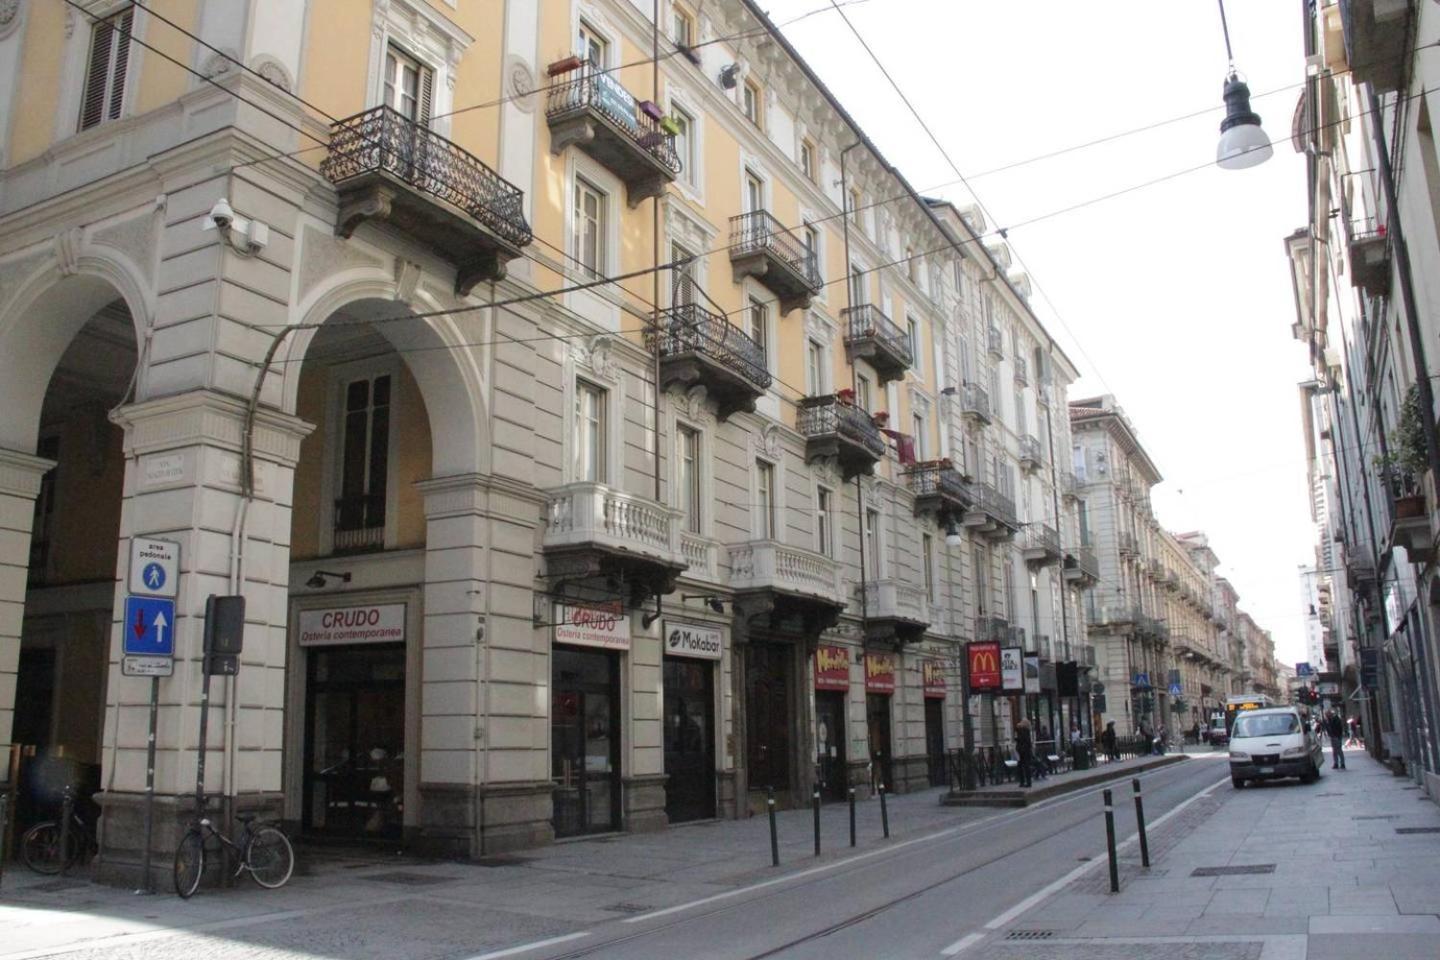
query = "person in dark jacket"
{"x": 1335, "y": 728}
{"x": 1107, "y": 741}
{"x": 1024, "y": 750}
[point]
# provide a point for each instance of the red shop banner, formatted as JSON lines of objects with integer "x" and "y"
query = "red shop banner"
{"x": 879, "y": 673}
{"x": 933, "y": 677}
{"x": 832, "y": 668}
{"x": 984, "y": 660}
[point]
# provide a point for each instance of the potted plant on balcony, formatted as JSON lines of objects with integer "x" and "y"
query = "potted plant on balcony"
{"x": 1405, "y": 462}
{"x": 881, "y": 418}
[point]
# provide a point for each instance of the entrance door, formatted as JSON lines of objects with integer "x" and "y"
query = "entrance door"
{"x": 355, "y": 740}
{"x": 935, "y": 741}
{"x": 830, "y": 743}
{"x": 877, "y": 717}
{"x": 689, "y": 739}
{"x": 585, "y": 741}
{"x": 767, "y": 726}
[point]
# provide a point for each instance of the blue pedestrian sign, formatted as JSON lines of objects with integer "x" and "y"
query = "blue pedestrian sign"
{"x": 1174, "y": 689}
{"x": 154, "y": 576}
{"x": 149, "y": 627}
{"x": 154, "y": 567}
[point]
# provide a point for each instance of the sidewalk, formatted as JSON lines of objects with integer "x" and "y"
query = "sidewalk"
{"x": 1346, "y": 868}
{"x": 1013, "y": 795}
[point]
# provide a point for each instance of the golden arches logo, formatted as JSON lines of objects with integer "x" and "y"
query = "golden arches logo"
{"x": 984, "y": 660}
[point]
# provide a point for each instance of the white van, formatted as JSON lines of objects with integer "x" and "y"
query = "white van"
{"x": 1271, "y": 743}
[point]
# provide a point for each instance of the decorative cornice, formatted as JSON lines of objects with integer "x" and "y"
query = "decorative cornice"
{"x": 205, "y": 418}
{"x": 20, "y": 473}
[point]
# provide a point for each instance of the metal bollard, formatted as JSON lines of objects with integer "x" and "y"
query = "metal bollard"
{"x": 884, "y": 813}
{"x": 67, "y": 812}
{"x": 1110, "y": 842}
{"x": 815, "y": 806}
{"x": 774, "y": 838}
{"x": 852, "y": 816}
{"x": 1140, "y": 824}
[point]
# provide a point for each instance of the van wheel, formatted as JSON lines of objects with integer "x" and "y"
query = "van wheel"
{"x": 1237, "y": 782}
{"x": 1310, "y": 776}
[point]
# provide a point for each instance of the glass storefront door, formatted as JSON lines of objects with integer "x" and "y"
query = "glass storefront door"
{"x": 355, "y": 741}
{"x": 877, "y": 716}
{"x": 935, "y": 741}
{"x": 767, "y": 721}
{"x": 689, "y": 739}
{"x": 830, "y": 743}
{"x": 585, "y": 741}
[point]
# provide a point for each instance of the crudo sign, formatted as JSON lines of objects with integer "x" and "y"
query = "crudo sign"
{"x": 365, "y": 623}
{"x": 601, "y": 625}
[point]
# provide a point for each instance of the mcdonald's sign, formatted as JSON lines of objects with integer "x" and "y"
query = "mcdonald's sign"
{"x": 984, "y": 661}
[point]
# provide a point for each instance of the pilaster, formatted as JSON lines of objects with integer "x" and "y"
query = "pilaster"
{"x": 20, "y": 476}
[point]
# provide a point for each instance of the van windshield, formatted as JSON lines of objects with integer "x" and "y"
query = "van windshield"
{"x": 1266, "y": 725}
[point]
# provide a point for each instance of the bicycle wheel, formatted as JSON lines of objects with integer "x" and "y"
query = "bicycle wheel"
{"x": 40, "y": 848}
{"x": 189, "y": 863}
{"x": 270, "y": 857}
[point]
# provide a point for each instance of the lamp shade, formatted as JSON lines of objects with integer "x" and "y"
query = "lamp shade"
{"x": 1242, "y": 142}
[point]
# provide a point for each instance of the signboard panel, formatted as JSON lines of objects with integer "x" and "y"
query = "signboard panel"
{"x": 602, "y": 625}
{"x": 832, "y": 667}
{"x": 149, "y": 628}
{"x": 1304, "y": 669}
{"x": 1032, "y": 674}
{"x": 932, "y": 679}
{"x": 1012, "y": 670}
{"x": 692, "y": 640}
{"x": 154, "y": 567}
{"x": 364, "y": 623}
{"x": 1327, "y": 688}
{"x": 147, "y": 666}
{"x": 984, "y": 664}
{"x": 879, "y": 673}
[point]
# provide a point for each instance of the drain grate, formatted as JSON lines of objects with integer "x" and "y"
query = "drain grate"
{"x": 631, "y": 908}
{"x": 1417, "y": 829}
{"x": 1376, "y": 816}
{"x": 408, "y": 879}
{"x": 1029, "y": 934}
{"x": 1240, "y": 870}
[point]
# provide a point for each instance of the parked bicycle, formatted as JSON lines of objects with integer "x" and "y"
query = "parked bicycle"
{"x": 50, "y": 847}
{"x": 261, "y": 849}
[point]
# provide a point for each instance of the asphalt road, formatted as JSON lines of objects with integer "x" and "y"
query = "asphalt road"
{"x": 912, "y": 900}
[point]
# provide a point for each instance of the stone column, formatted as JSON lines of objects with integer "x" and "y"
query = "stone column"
{"x": 183, "y": 482}
{"x": 20, "y": 476}
{"x": 484, "y": 714}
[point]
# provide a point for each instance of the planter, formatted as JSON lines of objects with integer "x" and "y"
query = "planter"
{"x": 1410, "y": 506}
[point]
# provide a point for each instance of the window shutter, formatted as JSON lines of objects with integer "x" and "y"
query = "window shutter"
{"x": 427, "y": 96}
{"x": 92, "y": 109}
{"x": 122, "y": 60}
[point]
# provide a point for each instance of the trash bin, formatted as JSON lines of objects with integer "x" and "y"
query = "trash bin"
{"x": 1080, "y": 757}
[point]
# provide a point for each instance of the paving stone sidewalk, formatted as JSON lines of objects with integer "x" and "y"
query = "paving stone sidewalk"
{"x": 1345, "y": 868}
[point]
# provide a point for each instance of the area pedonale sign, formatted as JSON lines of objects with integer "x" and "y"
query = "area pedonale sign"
{"x": 984, "y": 662}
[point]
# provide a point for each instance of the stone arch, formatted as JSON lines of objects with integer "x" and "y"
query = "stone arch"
{"x": 436, "y": 350}
{"x": 48, "y": 309}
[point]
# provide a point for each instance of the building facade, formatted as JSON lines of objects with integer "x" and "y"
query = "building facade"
{"x": 599, "y": 440}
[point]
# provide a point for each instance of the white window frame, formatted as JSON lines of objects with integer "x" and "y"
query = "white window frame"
{"x": 701, "y": 515}
{"x": 755, "y": 296}
{"x": 816, "y": 374}
{"x": 127, "y": 79}
{"x": 825, "y": 520}
{"x": 873, "y": 542}
{"x": 916, "y": 334}
{"x": 927, "y": 566}
{"x": 424, "y": 34}
{"x": 585, "y": 386}
{"x": 339, "y": 377}
{"x": 690, "y": 159}
{"x": 766, "y": 527}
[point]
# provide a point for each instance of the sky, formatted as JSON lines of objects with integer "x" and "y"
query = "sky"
{"x": 1175, "y": 297}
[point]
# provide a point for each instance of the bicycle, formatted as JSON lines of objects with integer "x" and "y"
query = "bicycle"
{"x": 261, "y": 849}
{"x": 40, "y": 846}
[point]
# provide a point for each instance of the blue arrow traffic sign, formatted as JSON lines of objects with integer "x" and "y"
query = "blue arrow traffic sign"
{"x": 149, "y": 628}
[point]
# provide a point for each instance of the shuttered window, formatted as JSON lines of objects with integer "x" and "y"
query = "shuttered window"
{"x": 105, "y": 75}
{"x": 409, "y": 86}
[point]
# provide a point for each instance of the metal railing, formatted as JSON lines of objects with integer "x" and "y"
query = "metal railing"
{"x": 383, "y": 140}
{"x": 690, "y": 328}
{"x": 1030, "y": 450}
{"x": 937, "y": 478}
{"x": 995, "y": 341}
{"x": 1127, "y": 544}
{"x": 1088, "y": 563}
{"x": 1022, "y": 370}
{"x": 975, "y": 401}
{"x": 359, "y": 523}
{"x": 997, "y": 505}
{"x": 588, "y": 87}
{"x": 867, "y": 322}
{"x": 758, "y": 231}
{"x": 821, "y": 416}
{"x": 1043, "y": 537}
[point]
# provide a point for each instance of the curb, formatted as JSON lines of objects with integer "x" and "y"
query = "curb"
{"x": 1017, "y": 797}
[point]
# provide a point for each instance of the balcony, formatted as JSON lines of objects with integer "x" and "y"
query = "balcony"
{"x": 1022, "y": 370}
{"x": 1082, "y": 567}
{"x": 783, "y": 592}
{"x": 1127, "y": 544}
{"x": 975, "y": 403}
{"x": 1030, "y": 455}
{"x": 389, "y": 169}
{"x": 596, "y": 535}
{"x": 1359, "y": 568}
{"x": 895, "y": 611}
{"x": 762, "y": 248}
{"x": 1376, "y": 41}
{"x": 939, "y": 489}
{"x": 837, "y": 428}
{"x": 359, "y": 524}
{"x": 993, "y": 629}
{"x": 874, "y": 337}
{"x": 992, "y": 514}
{"x": 995, "y": 341}
{"x": 589, "y": 108}
{"x": 700, "y": 348}
{"x": 1042, "y": 546}
{"x": 1069, "y": 485}
{"x": 1370, "y": 261}
{"x": 1410, "y": 517}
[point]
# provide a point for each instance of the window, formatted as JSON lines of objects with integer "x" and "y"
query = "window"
{"x": 1019, "y": 412}
{"x": 862, "y": 392}
{"x": 855, "y": 205}
{"x": 364, "y": 464}
{"x": 814, "y": 368}
{"x": 959, "y": 279}
{"x": 105, "y": 74}
{"x": 807, "y": 160}
{"x": 684, "y": 282}
{"x": 687, "y": 475}
{"x": 591, "y": 46}
{"x": 824, "y": 533}
{"x": 921, "y": 435}
{"x": 760, "y": 328}
{"x": 682, "y": 27}
{"x": 685, "y": 145}
{"x": 409, "y": 87}
{"x": 589, "y": 229}
{"x": 764, "y": 500}
{"x": 872, "y": 544}
{"x": 858, "y": 294}
{"x": 912, "y": 266}
{"x": 811, "y": 237}
{"x": 927, "y": 558}
{"x": 589, "y": 432}
{"x": 917, "y": 354}
{"x": 754, "y": 192}
{"x": 43, "y": 527}
{"x": 750, "y": 100}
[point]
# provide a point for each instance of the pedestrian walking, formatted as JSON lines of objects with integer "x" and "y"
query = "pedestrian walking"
{"x": 1108, "y": 742}
{"x": 1335, "y": 727}
{"x": 1160, "y": 741}
{"x": 1024, "y": 750}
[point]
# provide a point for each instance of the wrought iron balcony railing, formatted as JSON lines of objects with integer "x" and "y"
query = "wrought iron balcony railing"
{"x": 1031, "y": 457}
{"x": 762, "y": 247}
{"x": 995, "y": 341}
{"x": 836, "y": 427}
{"x": 1022, "y": 370}
{"x": 938, "y": 487}
{"x": 696, "y": 346}
{"x": 1042, "y": 544}
{"x": 870, "y": 334}
{"x": 359, "y": 523}
{"x": 975, "y": 402}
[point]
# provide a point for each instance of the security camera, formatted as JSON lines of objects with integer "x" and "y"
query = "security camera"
{"x": 221, "y": 215}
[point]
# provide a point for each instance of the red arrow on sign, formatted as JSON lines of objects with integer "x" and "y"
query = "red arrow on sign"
{"x": 139, "y": 626}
